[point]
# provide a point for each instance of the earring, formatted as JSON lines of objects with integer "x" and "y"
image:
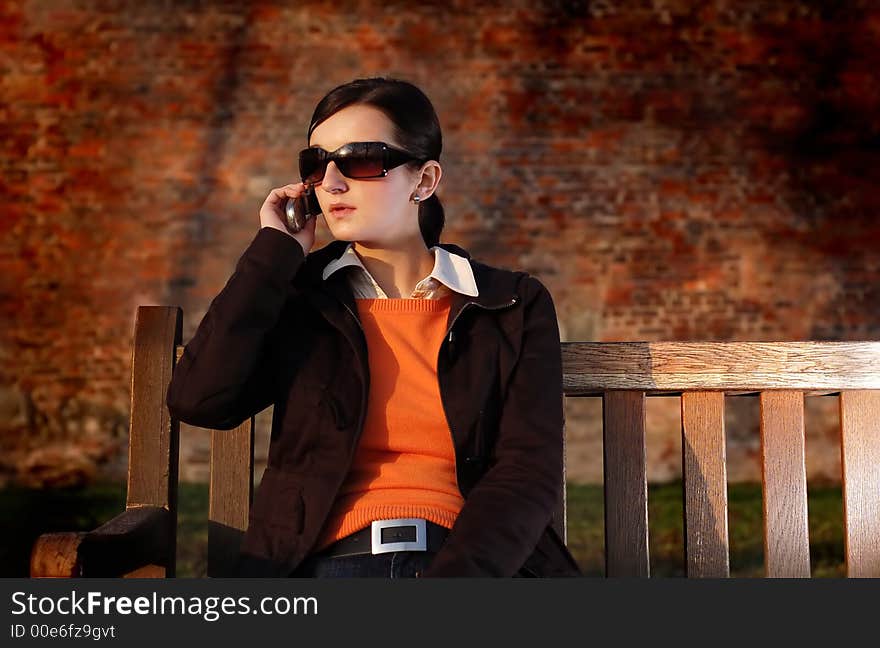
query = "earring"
{"x": 416, "y": 199}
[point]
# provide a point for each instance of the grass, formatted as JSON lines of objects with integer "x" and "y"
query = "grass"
{"x": 30, "y": 512}
{"x": 586, "y": 530}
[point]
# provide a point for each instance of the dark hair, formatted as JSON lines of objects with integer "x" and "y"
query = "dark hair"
{"x": 416, "y": 129}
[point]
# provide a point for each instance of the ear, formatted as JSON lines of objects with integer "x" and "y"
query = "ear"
{"x": 428, "y": 179}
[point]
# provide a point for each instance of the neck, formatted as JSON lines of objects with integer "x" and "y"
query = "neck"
{"x": 399, "y": 268}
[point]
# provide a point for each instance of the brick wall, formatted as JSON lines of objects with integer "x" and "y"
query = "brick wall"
{"x": 671, "y": 170}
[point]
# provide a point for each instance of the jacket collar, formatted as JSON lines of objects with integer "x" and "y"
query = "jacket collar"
{"x": 451, "y": 269}
{"x": 497, "y": 288}
{"x": 333, "y": 296}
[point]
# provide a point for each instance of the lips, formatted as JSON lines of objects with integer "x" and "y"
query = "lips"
{"x": 337, "y": 206}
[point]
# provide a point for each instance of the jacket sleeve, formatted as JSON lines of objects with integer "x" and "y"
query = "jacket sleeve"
{"x": 225, "y": 374}
{"x": 508, "y": 509}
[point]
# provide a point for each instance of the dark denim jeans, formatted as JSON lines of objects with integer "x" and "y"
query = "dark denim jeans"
{"x": 395, "y": 564}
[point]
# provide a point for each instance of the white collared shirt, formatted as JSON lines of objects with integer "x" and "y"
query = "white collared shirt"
{"x": 451, "y": 272}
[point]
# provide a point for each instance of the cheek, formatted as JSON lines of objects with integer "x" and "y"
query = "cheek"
{"x": 380, "y": 203}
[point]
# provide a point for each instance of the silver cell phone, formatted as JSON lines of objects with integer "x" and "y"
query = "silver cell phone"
{"x": 298, "y": 211}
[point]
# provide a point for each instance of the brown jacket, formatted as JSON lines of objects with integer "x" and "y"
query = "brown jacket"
{"x": 278, "y": 334}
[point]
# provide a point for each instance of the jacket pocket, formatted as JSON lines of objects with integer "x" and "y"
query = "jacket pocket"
{"x": 278, "y": 502}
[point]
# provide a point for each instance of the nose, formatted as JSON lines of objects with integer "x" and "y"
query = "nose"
{"x": 333, "y": 180}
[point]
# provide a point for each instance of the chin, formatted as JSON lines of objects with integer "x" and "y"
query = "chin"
{"x": 345, "y": 233}
{"x": 339, "y": 230}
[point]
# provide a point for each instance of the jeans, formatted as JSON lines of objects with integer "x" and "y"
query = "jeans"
{"x": 395, "y": 564}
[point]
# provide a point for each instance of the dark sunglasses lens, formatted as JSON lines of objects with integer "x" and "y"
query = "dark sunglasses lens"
{"x": 369, "y": 166}
{"x": 312, "y": 165}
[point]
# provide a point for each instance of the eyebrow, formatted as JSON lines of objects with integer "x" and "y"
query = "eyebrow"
{"x": 318, "y": 146}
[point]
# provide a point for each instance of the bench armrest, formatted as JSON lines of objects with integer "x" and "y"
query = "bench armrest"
{"x": 54, "y": 555}
{"x": 133, "y": 543}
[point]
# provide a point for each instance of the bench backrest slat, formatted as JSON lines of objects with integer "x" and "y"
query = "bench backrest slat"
{"x": 860, "y": 464}
{"x": 784, "y": 478}
{"x": 626, "y": 484}
{"x": 153, "y": 434}
{"x": 705, "y": 485}
{"x": 230, "y": 495}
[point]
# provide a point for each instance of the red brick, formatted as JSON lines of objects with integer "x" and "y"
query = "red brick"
{"x": 693, "y": 173}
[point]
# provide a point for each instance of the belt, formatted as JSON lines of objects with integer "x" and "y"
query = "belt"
{"x": 383, "y": 536}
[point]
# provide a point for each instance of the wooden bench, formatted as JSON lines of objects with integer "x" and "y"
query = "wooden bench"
{"x": 142, "y": 540}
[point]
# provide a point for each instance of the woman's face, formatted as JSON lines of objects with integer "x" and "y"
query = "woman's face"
{"x": 383, "y": 213}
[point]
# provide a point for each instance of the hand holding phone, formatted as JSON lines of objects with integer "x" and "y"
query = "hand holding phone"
{"x": 293, "y": 209}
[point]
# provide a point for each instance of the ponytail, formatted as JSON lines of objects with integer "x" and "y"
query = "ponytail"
{"x": 431, "y": 220}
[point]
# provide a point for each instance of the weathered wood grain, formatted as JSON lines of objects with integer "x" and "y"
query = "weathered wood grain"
{"x": 705, "y": 485}
{"x": 589, "y": 368}
{"x": 626, "y": 485}
{"x": 154, "y": 435}
{"x": 54, "y": 555}
{"x": 231, "y": 492}
{"x": 784, "y": 478}
{"x": 860, "y": 465}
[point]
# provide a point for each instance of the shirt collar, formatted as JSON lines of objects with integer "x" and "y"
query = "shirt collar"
{"x": 450, "y": 269}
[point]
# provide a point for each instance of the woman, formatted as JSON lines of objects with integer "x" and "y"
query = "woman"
{"x": 417, "y": 425}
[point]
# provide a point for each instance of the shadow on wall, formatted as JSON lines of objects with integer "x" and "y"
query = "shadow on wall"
{"x": 218, "y": 127}
{"x": 824, "y": 135}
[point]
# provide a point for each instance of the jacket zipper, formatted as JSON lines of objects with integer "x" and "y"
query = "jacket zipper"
{"x": 471, "y": 303}
{"x": 450, "y": 339}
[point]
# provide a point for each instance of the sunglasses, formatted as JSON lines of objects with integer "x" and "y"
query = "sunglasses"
{"x": 355, "y": 160}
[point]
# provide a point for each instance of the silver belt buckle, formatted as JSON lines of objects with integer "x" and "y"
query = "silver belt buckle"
{"x": 419, "y": 544}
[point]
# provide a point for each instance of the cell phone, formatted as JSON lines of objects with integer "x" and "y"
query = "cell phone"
{"x": 297, "y": 211}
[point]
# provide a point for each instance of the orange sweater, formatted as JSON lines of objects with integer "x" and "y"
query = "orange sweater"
{"x": 404, "y": 465}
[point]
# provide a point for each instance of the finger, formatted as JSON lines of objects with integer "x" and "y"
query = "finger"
{"x": 286, "y": 191}
{"x": 291, "y": 190}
